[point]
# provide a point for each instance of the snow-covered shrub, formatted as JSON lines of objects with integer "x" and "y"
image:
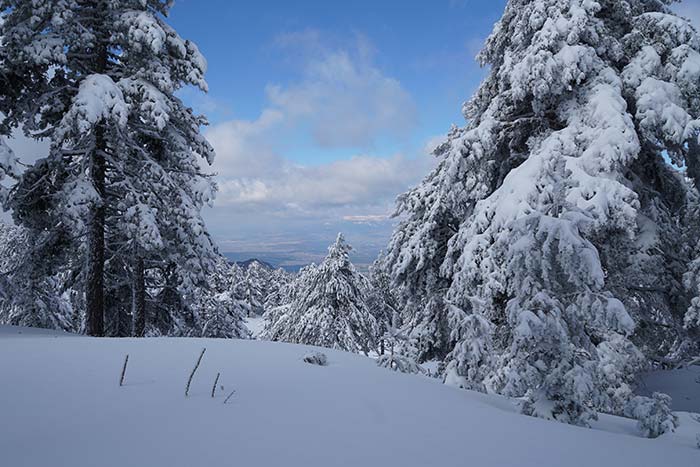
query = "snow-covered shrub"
{"x": 316, "y": 358}
{"x": 400, "y": 363}
{"x": 653, "y": 414}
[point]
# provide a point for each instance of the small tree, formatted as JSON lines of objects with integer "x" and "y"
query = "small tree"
{"x": 382, "y": 301}
{"x": 277, "y": 289}
{"x": 330, "y": 307}
{"x": 257, "y": 280}
{"x": 221, "y": 314}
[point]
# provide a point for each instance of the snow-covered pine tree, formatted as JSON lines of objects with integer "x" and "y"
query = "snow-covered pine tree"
{"x": 32, "y": 289}
{"x": 382, "y": 301}
{"x": 549, "y": 231}
{"x": 98, "y": 78}
{"x": 239, "y": 286}
{"x": 278, "y": 316}
{"x": 277, "y": 289}
{"x": 257, "y": 283}
{"x": 221, "y": 313}
{"x": 330, "y": 307}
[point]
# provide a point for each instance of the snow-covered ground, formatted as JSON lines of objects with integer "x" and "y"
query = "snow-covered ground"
{"x": 61, "y": 405}
{"x": 255, "y": 324}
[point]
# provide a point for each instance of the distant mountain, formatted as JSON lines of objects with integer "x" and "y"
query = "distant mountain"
{"x": 271, "y": 260}
{"x": 248, "y": 262}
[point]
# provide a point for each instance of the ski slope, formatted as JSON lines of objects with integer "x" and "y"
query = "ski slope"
{"x": 61, "y": 405}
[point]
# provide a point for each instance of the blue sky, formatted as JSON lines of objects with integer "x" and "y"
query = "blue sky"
{"x": 426, "y": 45}
{"x": 323, "y": 112}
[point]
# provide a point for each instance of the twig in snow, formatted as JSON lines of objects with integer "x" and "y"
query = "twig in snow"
{"x": 229, "y": 396}
{"x": 121, "y": 379}
{"x": 194, "y": 370}
{"x": 213, "y": 388}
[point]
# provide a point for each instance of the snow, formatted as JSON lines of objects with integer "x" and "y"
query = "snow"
{"x": 62, "y": 405}
{"x": 98, "y": 98}
{"x": 145, "y": 31}
{"x": 255, "y": 324}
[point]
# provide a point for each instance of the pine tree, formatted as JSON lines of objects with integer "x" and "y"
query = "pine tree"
{"x": 546, "y": 241}
{"x": 329, "y": 308}
{"x": 97, "y": 77}
{"x": 382, "y": 301}
{"x": 239, "y": 286}
{"x": 222, "y": 314}
{"x": 277, "y": 289}
{"x": 32, "y": 291}
{"x": 276, "y": 316}
{"x": 257, "y": 283}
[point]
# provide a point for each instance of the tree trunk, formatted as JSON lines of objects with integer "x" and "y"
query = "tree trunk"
{"x": 94, "y": 282}
{"x": 139, "y": 298}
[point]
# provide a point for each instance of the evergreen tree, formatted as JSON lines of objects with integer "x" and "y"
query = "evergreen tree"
{"x": 257, "y": 280}
{"x": 97, "y": 77}
{"x": 546, "y": 241}
{"x": 32, "y": 292}
{"x": 239, "y": 286}
{"x": 277, "y": 289}
{"x": 277, "y": 316}
{"x": 382, "y": 301}
{"x": 222, "y": 314}
{"x": 329, "y": 308}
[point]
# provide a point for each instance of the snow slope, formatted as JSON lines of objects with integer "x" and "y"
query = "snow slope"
{"x": 61, "y": 405}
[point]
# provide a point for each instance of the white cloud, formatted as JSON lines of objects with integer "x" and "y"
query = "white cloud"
{"x": 366, "y": 219}
{"x": 342, "y": 96}
{"x": 346, "y": 102}
{"x": 243, "y": 147}
{"x": 361, "y": 181}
